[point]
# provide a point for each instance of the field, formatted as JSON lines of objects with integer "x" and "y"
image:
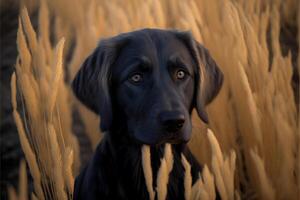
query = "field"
{"x": 250, "y": 149}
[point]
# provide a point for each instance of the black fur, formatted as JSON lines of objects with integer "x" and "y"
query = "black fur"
{"x": 144, "y": 85}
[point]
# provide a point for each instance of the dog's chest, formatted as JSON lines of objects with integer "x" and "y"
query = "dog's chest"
{"x": 131, "y": 179}
{"x": 118, "y": 174}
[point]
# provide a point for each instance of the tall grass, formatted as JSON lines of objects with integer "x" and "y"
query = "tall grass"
{"x": 254, "y": 149}
{"x": 45, "y": 132}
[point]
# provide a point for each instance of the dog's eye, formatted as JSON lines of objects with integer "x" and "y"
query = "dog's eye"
{"x": 180, "y": 74}
{"x": 136, "y": 78}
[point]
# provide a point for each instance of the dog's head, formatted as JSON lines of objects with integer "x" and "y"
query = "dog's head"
{"x": 151, "y": 80}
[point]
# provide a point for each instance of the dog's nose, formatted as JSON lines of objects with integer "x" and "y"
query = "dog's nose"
{"x": 172, "y": 121}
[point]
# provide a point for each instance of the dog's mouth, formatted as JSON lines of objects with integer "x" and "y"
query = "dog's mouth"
{"x": 171, "y": 139}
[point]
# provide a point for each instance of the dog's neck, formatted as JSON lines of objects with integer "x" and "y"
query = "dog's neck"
{"x": 123, "y": 158}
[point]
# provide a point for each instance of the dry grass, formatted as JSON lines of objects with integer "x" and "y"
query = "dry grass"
{"x": 146, "y": 161}
{"x": 187, "y": 178}
{"x": 43, "y": 132}
{"x": 254, "y": 152}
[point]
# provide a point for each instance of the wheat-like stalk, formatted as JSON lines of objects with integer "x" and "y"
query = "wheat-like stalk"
{"x": 208, "y": 183}
{"x": 68, "y": 161}
{"x": 223, "y": 168}
{"x": 39, "y": 77}
{"x": 23, "y": 181}
{"x": 146, "y": 162}
{"x": 162, "y": 181}
{"x": 29, "y": 154}
{"x": 168, "y": 155}
{"x": 267, "y": 191}
{"x": 187, "y": 178}
{"x": 57, "y": 164}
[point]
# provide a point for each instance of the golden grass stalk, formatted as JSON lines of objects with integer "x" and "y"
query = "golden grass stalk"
{"x": 57, "y": 164}
{"x": 198, "y": 192}
{"x": 22, "y": 47}
{"x": 68, "y": 172}
{"x": 208, "y": 182}
{"x": 29, "y": 154}
{"x": 223, "y": 168}
{"x": 187, "y": 178}
{"x": 28, "y": 29}
{"x": 23, "y": 193}
{"x": 44, "y": 30}
{"x": 146, "y": 162}
{"x": 165, "y": 169}
{"x": 168, "y": 155}
{"x": 266, "y": 190}
{"x": 29, "y": 93}
{"x": 13, "y": 86}
{"x": 40, "y": 81}
{"x": 162, "y": 180}
{"x": 217, "y": 162}
{"x": 58, "y": 71}
{"x": 219, "y": 179}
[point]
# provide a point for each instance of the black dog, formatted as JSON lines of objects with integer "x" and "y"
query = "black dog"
{"x": 144, "y": 85}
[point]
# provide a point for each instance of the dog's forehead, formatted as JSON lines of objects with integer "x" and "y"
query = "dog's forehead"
{"x": 158, "y": 46}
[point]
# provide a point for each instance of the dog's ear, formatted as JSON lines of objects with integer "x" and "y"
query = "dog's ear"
{"x": 91, "y": 84}
{"x": 209, "y": 82}
{"x": 208, "y": 79}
